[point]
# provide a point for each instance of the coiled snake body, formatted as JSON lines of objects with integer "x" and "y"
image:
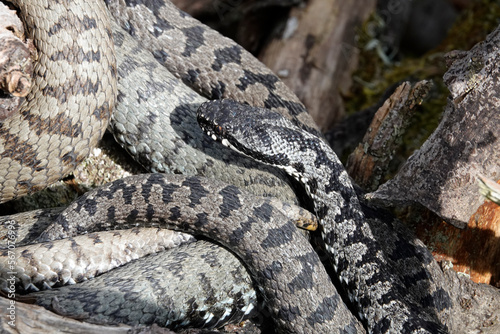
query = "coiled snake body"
{"x": 311, "y": 305}
{"x": 73, "y": 93}
{"x": 296, "y": 287}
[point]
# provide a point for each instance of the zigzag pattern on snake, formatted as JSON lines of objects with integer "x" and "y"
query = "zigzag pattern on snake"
{"x": 294, "y": 283}
{"x": 129, "y": 295}
{"x": 357, "y": 257}
{"x": 140, "y": 73}
{"x": 229, "y": 55}
{"x": 71, "y": 100}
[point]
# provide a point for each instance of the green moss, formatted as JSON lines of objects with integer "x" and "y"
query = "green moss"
{"x": 374, "y": 76}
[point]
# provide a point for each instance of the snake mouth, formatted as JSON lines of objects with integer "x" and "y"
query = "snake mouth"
{"x": 225, "y": 121}
{"x": 207, "y": 115}
{"x": 219, "y": 138}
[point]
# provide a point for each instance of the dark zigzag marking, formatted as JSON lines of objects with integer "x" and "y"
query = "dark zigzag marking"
{"x": 230, "y": 54}
{"x": 230, "y": 201}
{"x": 197, "y": 191}
{"x": 325, "y": 311}
{"x": 194, "y": 39}
{"x": 305, "y": 279}
{"x": 264, "y": 212}
{"x": 278, "y": 237}
{"x": 72, "y": 22}
{"x": 239, "y": 233}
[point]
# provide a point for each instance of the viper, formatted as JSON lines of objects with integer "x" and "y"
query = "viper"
{"x": 357, "y": 257}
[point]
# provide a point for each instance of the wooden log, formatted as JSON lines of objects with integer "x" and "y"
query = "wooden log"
{"x": 473, "y": 251}
{"x": 315, "y": 54}
{"x": 476, "y": 306}
{"x": 16, "y": 63}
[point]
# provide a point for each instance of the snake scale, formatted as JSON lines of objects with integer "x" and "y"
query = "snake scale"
{"x": 69, "y": 106}
{"x": 292, "y": 275}
{"x": 132, "y": 297}
{"x": 366, "y": 275}
{"x": 357, "y": 257}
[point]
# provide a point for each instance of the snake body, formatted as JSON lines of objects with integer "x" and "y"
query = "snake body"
{"x": 213, "y": 65}
{"x": 71, "y": 100}
{"x": 295, "y": 285}
{"x": 129, "y": 294}
{"x": 162, "y": 134}
{"x": 127, "y": 67}
{"x": 356, "y": 255}
{"x": 40, "y": 266}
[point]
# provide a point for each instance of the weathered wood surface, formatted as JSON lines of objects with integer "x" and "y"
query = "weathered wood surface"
{"x": 443, "y": 174}
{"x": 370, "y": 160}
{"x": 315, "y": 54}
{"x": 476, "y": 306}
{"x": 473, "y": 251}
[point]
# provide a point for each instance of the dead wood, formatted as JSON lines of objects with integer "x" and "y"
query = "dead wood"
{"x": 476, "y": 306}
{"x": 443, "y": 174}
{"x": 16, "y": 64}
{"x": 370, "y": 160}
{"x": 315, "y": 54}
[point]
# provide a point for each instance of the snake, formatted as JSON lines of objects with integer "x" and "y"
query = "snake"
{"x": 73, "y": 94}
{"x": 161, "y": 133}
{"x": 296, "y": 288}
{"x": 250, "y": 87}
{"x": 131, "y": 296}
{"x": 356, "y": 255}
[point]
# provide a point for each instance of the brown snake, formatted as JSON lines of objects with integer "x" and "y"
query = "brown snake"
{"x": 71, "y": 100}
{"x": 53, "y": 121}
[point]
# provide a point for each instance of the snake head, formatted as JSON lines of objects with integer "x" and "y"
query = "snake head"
{"x": 249, "y": 130}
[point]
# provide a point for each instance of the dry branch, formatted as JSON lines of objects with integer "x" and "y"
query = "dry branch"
{"x": 370, "y": 160}
{"x": 476, "y": 306}
{"x": 16, "y": 64}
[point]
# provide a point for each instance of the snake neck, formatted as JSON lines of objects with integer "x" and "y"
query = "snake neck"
{"x": 356, "y": 255}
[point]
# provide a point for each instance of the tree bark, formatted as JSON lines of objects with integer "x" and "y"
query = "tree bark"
{"x": 443, "y": 174}
{"x": 476, "y": 306}
{"x": 370, "y": 160}
{"x": 16, "y": 63}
